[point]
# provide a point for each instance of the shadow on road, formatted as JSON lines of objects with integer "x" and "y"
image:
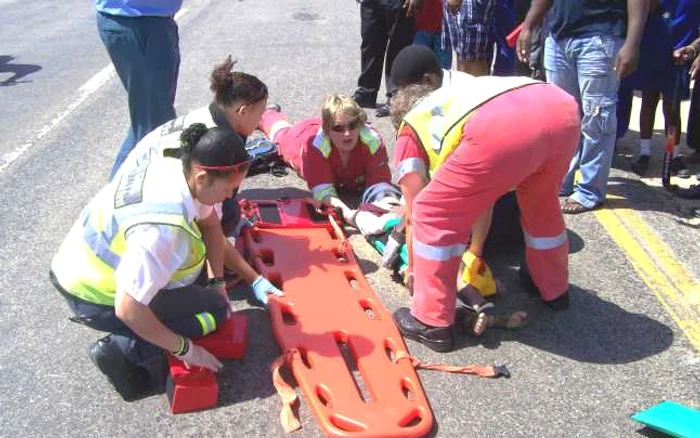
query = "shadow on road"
{"x": 593, "y": 330}
{"x": 18, "y": 70}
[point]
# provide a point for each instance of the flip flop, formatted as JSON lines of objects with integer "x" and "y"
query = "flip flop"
{"x": 473, "y": 322}
{"x": 569, "y": 206}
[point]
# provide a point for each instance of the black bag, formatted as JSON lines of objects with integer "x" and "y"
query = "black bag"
{"x": 264, "y": 157}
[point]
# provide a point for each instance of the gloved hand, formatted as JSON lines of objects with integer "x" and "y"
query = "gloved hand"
{"x": 197, "y": 356}
{"x": 262, "y": 287}
{"x": 392, "y": 249}
{"x": 238, "y": 229}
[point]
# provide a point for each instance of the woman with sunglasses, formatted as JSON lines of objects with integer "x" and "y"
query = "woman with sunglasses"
{"x": 337, "y": 152}
{"x": 239, "y": 101}
{"x": 133, "y": 264}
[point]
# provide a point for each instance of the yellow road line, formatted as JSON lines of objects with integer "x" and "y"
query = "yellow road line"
{"x": 674, "y": 287}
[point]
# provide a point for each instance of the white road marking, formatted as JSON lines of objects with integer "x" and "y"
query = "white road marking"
{"x": 86, "y": 90}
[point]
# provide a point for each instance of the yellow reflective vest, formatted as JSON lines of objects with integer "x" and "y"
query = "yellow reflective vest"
{"x": 151, "y": 194}
{"x": 438, "y": 118}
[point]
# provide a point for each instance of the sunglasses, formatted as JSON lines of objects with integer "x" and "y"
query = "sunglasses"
{"x": 351, "y": 126}
{"x": 240, "y": 168}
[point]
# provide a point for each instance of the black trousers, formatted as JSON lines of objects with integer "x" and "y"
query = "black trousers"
{"x": 385, "y": 30}
{"x": 693, "y": 137}
{"x": 175, "y": 308}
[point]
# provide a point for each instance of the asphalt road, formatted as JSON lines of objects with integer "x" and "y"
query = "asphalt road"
{"x": 626, "y": 344}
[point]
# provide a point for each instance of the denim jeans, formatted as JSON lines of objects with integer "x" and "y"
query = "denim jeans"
{"x": 433, "y": 40}
{"x": 146, "y": 55}
{"x": 583, "y": 67}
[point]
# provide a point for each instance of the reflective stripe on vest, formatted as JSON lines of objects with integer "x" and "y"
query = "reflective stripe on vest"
{"x": 368, "y": 137}
{"x": 436, "y": 252}
{"x": 545, "y": 243}
{"x": 439, "y": 117}
{"x": 86, "y": 263}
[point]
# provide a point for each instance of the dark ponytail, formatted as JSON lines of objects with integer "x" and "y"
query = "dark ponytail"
{"x": 211, "y": 147}
{"x": 229, "y": 86}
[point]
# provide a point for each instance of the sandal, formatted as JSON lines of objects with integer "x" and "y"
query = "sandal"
{"x": 472, "y": 322}
{"x": 569, "y": 206}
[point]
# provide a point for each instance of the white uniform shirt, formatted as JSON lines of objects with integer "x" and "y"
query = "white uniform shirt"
{"x": 154, "y": 252}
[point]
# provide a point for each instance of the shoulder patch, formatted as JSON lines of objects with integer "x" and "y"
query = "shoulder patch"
{"x": 130, "y": 189}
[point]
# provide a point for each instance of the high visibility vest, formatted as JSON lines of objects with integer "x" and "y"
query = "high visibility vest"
{"x": 88, "y": 257}
{"x": 165, "y": 137}
{"x": 438, "y": 118}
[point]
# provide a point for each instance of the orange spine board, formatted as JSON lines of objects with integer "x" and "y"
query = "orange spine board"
{"x": 343, "y": 341}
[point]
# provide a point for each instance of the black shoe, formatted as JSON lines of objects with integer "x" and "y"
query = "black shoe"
{"x": 436, "y": 338}
{"x": 382, "y": 110}
{"x": 130, "y": 381}
{"x": 364, "y": 102}
{"x": 679, "y": 169}
{"x": 561, "y": 303}
{"x": 641, "y": 166}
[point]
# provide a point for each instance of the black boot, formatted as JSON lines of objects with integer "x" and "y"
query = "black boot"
{"x": 679, "y": 168}
{"x": 641, "y": 166}
{"x": 130, "y": 381}
{"x": 436, "y": 338}
{"x": 560, "y": 303}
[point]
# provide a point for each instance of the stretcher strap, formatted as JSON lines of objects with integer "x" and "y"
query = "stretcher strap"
{"x": 479, "y": 370}
{"x": 290, "y": 421}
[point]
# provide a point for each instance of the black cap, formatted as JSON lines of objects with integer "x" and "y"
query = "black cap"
{"x": 411, "y": 63}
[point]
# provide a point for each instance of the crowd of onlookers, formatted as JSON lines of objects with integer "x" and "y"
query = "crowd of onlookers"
{"x": 602, "y": 53}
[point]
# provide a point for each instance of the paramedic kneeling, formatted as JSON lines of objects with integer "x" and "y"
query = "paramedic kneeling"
{"x": 132, "y": 264}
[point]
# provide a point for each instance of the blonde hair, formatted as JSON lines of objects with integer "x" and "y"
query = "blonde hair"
{"x": 334, "y": 104}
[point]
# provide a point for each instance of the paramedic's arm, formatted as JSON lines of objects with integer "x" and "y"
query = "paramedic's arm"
{"x": 411, "y": 184}
{"x": 412, "y": 176}
{"x": 212, "y": 235}
{"x": 150, "y": 258}
{"x": 214, "y": 239}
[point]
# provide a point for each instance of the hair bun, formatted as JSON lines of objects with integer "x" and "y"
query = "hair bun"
{"x": 191, "y": 136}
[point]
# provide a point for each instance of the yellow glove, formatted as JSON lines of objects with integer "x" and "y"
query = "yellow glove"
{"x": 476, "y": 273}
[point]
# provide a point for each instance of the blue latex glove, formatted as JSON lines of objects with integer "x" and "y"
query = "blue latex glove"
{"x": 238, "y": 229}
{"x": 262, "y": 288}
